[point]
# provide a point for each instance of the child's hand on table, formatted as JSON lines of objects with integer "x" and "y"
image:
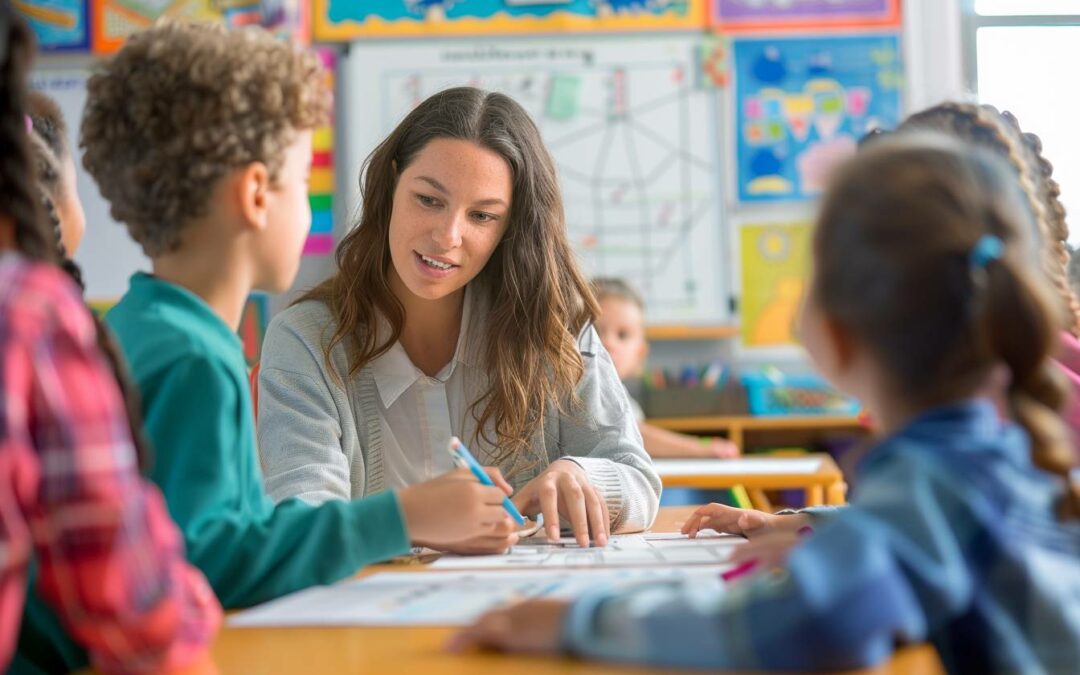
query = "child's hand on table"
{"x": 747, "y": 522}
{"x": 533, "y": 626}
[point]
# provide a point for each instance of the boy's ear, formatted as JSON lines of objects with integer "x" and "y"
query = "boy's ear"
{"x": 252, "y": 188}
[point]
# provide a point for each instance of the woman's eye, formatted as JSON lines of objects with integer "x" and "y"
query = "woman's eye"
{"x": 427, "y": 200}
{"x": 483, "y": 217}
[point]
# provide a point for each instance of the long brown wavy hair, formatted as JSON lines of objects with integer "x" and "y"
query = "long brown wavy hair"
{"x": 539, "y": 299}
{"x": 892, "y": 253}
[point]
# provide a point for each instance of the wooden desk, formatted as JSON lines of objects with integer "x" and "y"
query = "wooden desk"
{"x": 746, "y": 431}
{"x": 314, "y": 651}
{"x": 825, "y": 486}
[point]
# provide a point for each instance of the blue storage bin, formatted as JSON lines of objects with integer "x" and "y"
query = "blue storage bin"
{"x": 795, "y": 395}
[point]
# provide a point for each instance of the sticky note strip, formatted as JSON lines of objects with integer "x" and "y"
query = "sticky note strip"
{"x": 321, "y": 201}
{"x": 319, "y": 244}
{"x": 322, "y": 159}
{"x": 322, "y": 222}
{"x": 322, "y": 180}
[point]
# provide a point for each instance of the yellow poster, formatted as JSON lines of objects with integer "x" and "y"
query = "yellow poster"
{"x": 775, "y": 271}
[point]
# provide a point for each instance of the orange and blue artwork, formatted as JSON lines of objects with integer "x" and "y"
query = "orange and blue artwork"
{"x": 60, "y": 25}
{"x": 348, "y": 19}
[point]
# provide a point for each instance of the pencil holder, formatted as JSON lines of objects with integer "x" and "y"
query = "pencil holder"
{"x": 694, "y": 401}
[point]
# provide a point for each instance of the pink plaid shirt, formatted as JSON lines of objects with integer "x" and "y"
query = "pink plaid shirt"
{"x": 111, "y": 562}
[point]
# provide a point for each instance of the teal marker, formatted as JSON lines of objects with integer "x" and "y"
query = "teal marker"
{"x": 464, "y": 459}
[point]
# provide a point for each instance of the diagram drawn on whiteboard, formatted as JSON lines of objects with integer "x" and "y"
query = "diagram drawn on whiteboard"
{"x": 629, "y": 131}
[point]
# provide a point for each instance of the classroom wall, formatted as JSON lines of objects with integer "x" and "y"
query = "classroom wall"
{"x": 933, "y": 71}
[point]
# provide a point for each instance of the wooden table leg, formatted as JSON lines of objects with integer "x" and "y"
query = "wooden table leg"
{"x": 835, "y": 494}
{"x": 760, "y": 500}
{"x": 815, "y": 495}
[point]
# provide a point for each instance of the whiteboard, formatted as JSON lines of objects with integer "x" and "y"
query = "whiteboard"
{"x": 107, "y": 255}
{"x": 632, "y": 130}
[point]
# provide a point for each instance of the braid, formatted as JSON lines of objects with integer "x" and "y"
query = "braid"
{"x": 1057, "y": 226}
{"x": 17, "y": 194}
{"x": 985, "y": 126}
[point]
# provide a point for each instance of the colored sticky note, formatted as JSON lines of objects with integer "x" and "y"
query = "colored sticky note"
{"x": 322, "y": 139}
{"x": 321, "y": 201}
{"x": 319, "y": 244}
{"x": 322, "y": 222}
{"x": 322, "y": 159}
{"x": 321, "y": 180}
{"x": 564, "y": 97}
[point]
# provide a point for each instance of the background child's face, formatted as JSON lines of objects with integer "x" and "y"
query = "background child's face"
{"x": 289, "y": 217}
{"x": 622, "y": 330}
{"x": 451, "y": 207}
{"x": 69, "y": 209}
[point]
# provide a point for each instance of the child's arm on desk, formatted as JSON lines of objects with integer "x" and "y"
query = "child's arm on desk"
{"x": 661, "y": 443}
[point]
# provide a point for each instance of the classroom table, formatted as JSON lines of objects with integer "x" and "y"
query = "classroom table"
{"x": 315, "y": 651}
{"x": 824, "y": 486}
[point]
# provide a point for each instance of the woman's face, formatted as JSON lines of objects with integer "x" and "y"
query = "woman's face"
{"x": 450, "y": 211}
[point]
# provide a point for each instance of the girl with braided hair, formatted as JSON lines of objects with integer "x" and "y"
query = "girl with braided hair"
{"x": 77, "y": 524}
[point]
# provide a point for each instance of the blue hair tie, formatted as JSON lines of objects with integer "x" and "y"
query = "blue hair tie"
{"x": 986, "y": 250}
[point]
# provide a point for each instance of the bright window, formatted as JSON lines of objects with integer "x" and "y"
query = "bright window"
{"x": 1024, "y": 64}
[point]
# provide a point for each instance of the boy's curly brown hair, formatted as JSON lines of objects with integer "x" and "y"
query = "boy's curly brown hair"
{"x": 181, "y": 105}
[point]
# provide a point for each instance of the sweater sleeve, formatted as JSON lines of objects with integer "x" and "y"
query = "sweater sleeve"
{"x": 300, "y": 431}
{"x": 249, "y": 549}
{"x": 603, "y": 438}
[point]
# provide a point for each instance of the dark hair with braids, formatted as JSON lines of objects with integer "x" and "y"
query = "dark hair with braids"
{"x": 984, "y": 126}
{"x": 892, "y": 255}
{"x": 18, "y": 196}
{"x": 31, "y": 206}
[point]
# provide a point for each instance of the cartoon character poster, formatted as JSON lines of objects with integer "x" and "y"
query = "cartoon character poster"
{"x": 803, "y": 103}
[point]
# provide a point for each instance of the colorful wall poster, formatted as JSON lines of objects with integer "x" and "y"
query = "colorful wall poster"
{"x": 775, "y": 263}
{"x": 115, "y": 20}
{"x": 757, "y": 15}
{"x": 803, "y": 103}
{"x": 58, "y": 24}
{"x": 320, "y": 241}
{"x": 342, "y": 20}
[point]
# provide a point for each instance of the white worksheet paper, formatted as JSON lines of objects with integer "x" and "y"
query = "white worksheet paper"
{"x": 450, "y": 598}
{"x": 751, "y": 466}
{"x": 626, "y": 550}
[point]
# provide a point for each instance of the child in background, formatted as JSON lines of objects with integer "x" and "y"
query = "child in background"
{"x": 95, "y": 541}
{"x": 963, "y": 530}
{"x": 56, "y": 172}
{"x": 621, "y": 326}
{"x": 200, "y": 138}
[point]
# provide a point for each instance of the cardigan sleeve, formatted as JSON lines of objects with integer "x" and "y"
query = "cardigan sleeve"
{"x": 602, "y": 437}
{"x": 300, "y": 423}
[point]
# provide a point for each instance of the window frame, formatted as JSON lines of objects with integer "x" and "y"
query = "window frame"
{"x": 970, "y": 23}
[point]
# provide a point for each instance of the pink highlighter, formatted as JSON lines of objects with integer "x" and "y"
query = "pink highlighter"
{"x": 750, "y": 565}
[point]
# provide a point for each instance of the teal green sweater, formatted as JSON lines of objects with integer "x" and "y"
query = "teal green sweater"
{"x": 190, "y": 370}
